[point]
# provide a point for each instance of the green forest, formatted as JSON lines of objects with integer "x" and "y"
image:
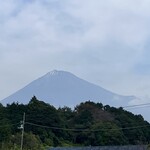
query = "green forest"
{"x": 88, "y": 124}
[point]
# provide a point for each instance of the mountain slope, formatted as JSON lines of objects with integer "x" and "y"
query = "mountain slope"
{"x": 61, "y": 88}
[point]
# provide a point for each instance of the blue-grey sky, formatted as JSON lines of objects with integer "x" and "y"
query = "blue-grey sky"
{"x": 103, "y": 41}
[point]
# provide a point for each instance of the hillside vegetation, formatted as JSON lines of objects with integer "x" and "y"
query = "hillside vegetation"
{"x": 87, "y": 124}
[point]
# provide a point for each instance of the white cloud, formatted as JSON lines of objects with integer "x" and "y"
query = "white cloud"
{"x": 101, "y": 41}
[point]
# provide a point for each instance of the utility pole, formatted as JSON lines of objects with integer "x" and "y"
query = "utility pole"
{"x": 22, "y": 127}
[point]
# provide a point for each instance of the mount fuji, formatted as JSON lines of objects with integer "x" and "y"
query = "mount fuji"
{"x": 61, "y": 88}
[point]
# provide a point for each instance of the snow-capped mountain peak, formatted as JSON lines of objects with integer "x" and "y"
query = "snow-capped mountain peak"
{"x": 61, "y": 88}
{"x": 54, "y": 72}
{"x": 58, "y": 73}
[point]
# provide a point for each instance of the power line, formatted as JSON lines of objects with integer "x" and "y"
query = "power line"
{"x": 8, "y": 125}
{"x": 86, "y": 130}
{"x": 137, "y": 106}
{"x": 56, "y": 128}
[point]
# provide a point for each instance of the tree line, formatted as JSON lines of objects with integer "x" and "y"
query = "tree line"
{"x": 88, "y": 124}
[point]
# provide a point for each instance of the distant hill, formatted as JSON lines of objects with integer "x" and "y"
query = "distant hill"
{"x": 61, "y": 88}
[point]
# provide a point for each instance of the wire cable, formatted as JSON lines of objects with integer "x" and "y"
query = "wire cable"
{"x": 138, "y": 105}
{"x": 1, "y": 126}
{"x": 87, "y": 130}
{"x": 56, "y": 128}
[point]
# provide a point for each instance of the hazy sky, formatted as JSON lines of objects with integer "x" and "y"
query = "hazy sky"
{"x": 106, "y": 42}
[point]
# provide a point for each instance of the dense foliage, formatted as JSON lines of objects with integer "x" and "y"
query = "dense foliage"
{"x": 88, "y": 124}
